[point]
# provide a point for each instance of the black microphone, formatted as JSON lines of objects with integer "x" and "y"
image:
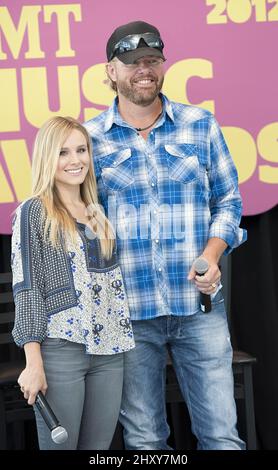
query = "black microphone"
{"x": 58, "y": 433}
{"x": 201, "y": 266}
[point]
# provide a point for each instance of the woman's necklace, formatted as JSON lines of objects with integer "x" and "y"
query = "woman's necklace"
{"x": 139, "y": 129}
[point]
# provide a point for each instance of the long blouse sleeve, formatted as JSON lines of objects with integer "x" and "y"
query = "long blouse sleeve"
{"x": 28, "y": 274}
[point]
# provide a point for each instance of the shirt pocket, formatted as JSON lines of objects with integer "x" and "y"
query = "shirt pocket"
{"x": 183, "y": 162}
{"x": 117, "y": 170}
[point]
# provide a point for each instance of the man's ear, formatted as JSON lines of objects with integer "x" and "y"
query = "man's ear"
{"x": 111, "y": 71}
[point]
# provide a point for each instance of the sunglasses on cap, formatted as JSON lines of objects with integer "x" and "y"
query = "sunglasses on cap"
{"x": 130, "y": 43}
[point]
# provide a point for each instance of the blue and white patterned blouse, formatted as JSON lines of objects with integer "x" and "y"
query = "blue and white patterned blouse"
{"x": 101, "y": 318}
{"x": 76, "y": 295}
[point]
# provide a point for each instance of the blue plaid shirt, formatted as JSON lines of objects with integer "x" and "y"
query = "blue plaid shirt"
{"x": 166, "y": 197}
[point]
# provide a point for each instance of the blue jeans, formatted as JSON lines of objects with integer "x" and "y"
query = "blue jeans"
{"x": 202, "y": 357}
{"x": 84, "y": 392}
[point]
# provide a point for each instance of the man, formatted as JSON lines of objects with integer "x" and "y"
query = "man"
{"x": 168, "y": 183}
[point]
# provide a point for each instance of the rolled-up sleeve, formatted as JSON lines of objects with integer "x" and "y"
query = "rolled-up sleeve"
{"x": 28, "y": 275}
{"x": 225, "y": 199}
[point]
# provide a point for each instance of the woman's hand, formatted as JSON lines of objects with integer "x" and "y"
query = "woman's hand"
{"x": 32, "y": 379}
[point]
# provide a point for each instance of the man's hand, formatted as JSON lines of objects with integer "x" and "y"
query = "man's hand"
{"x": 207, "y": 283}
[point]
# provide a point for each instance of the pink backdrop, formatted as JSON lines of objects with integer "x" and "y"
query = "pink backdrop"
{"x": 231, "y": 43}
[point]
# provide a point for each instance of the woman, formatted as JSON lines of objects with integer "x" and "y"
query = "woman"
{"x": 71, "y": 311}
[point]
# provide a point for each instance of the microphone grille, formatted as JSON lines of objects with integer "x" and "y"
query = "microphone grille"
{"x": 59, "y": 435}
{"x": 201, "y": 265}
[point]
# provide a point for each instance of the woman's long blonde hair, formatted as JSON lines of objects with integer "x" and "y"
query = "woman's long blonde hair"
{"x": 48, "y": 143}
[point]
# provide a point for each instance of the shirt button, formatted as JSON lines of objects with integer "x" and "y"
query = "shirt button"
{"x": 152, "y": 184}
{"x": 156, "y": 241}
{"x": 159, "y": 269}
{"x": 114, "y": 163}
{"x": 155, "y": 212}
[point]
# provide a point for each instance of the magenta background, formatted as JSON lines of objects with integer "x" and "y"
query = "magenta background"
{"x": 244, "y": 59}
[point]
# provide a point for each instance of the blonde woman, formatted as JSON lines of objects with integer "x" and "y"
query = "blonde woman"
{"x": 72, "y": 316}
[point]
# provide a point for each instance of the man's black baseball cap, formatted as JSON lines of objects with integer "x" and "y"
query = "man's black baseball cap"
{"x": 134, "y": 40}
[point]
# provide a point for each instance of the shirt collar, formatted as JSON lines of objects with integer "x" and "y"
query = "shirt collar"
{"x": 167, "y": 106}
{"x": 113, "y": 116}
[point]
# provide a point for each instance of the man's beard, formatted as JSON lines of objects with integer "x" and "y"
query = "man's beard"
{"x": 140, "y": 97}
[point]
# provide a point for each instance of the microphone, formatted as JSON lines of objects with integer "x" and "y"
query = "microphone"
{"x": 58, "y": 433}
{"x": 201, "y": 266}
